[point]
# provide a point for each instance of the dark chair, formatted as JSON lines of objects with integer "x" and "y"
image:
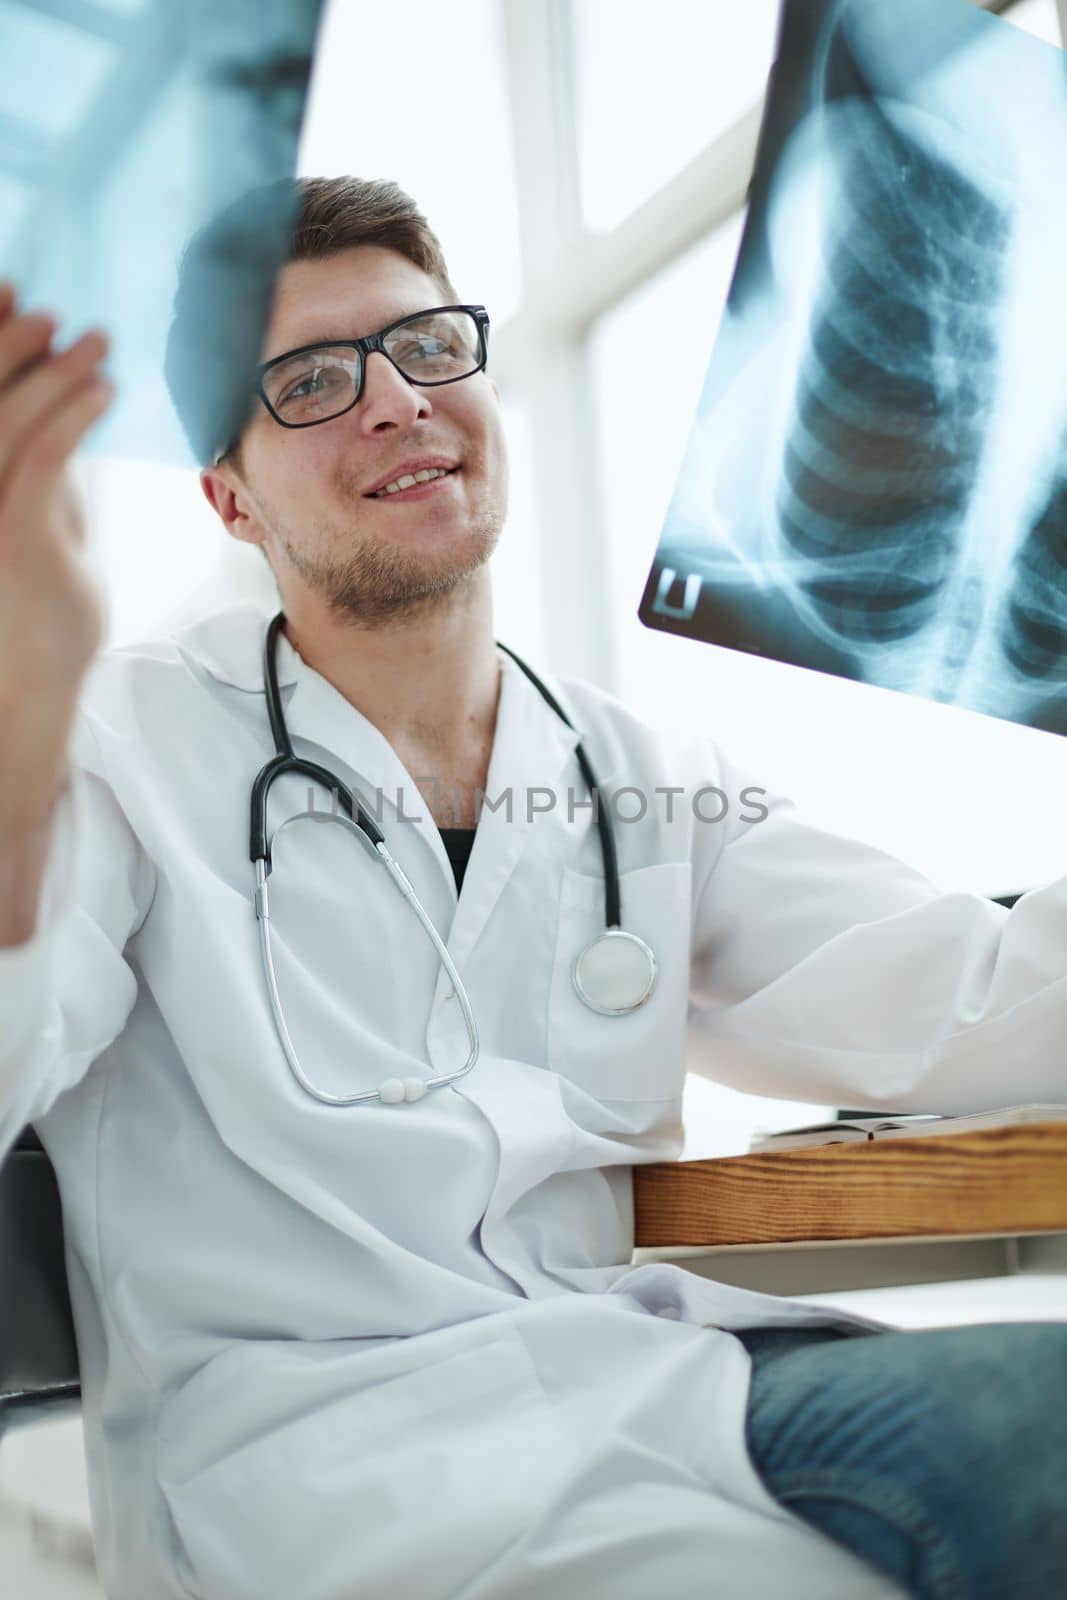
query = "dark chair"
{"x": 38, "y": 1355}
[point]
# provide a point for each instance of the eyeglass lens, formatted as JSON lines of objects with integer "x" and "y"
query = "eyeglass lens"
{"x": 436, "y": 348}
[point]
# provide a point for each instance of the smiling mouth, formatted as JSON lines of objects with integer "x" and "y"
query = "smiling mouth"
{"x": 415, "y": 491}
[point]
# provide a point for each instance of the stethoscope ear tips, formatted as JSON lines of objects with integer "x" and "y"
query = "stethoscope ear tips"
{"x": 615, "y": 973}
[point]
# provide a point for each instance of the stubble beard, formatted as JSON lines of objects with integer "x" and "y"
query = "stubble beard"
{"x": 378, "y": 583}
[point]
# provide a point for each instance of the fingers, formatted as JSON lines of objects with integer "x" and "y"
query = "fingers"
{"x": 23, "y": 338}
{"x": 34, "y": 384}
{"x": 44, "y": 455}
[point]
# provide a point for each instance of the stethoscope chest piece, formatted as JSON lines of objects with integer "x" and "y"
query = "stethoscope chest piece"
{"x": 615, "y": 973}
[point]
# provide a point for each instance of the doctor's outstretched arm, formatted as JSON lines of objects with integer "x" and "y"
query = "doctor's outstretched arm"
{"x": 51, "y": 622}
{"x": 825, "y": 970}
{"x": 73, "y": 880}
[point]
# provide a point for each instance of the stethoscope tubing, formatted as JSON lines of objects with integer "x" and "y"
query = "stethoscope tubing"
{"x": 359, "y": 820}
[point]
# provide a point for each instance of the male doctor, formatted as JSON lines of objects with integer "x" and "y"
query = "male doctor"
{"x": 392, "y": 1346}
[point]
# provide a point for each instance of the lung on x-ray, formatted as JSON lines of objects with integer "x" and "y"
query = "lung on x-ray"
{"x": 125, "y": 127}
{"x": 875, "y": 484}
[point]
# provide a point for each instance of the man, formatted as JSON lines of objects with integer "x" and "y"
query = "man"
{"x": 334, "y": 1343}
{"x": 387, "y": 595}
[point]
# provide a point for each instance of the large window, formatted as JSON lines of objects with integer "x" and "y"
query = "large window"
{"x": 655, "y": 85}
{"x": 649, "y": 357}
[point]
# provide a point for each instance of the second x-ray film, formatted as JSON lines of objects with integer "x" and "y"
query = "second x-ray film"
{"x": 875, "y": 484}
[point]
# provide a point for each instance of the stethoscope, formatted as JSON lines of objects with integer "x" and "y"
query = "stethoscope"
{"x": 613, "y": 975}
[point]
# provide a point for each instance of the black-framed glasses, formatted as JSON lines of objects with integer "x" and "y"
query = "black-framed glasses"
{"x": 321, "y": 381}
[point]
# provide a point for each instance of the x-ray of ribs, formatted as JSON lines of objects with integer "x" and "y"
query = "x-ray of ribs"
{"x": 1034, "y": 612}
{"x": 906, "y": 533}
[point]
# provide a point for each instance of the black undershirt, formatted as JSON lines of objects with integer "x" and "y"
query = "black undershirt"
{"x": 457, "y": 843}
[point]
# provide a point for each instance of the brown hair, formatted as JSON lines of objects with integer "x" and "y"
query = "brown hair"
{"x": 294, "y": 219}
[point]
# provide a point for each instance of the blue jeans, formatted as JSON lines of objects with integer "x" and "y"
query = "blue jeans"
{"x": 937, "y": 1455}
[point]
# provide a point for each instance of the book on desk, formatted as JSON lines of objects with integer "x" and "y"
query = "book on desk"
{"x": 905, "y": 1125}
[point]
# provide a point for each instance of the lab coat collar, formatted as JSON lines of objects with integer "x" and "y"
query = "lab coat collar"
{"x": 229, "y": 644}
{"x": 532, "y": 745}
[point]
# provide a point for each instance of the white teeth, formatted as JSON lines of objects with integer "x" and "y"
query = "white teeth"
{"x": 409, "y": 478}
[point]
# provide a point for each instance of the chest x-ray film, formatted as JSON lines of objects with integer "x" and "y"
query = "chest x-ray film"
{"x": 875, "y": 484}
{"x": 125, "y": 127}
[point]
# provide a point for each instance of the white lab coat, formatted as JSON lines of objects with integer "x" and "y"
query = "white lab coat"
{"x": 398, "y": 1350}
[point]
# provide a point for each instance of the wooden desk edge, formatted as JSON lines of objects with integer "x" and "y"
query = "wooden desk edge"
{"x": 992, "y": 1181}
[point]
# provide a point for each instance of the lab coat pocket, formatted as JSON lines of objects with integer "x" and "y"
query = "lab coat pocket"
{"x": 289, "y": 1474}
{"x": 641, "y": 1054}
